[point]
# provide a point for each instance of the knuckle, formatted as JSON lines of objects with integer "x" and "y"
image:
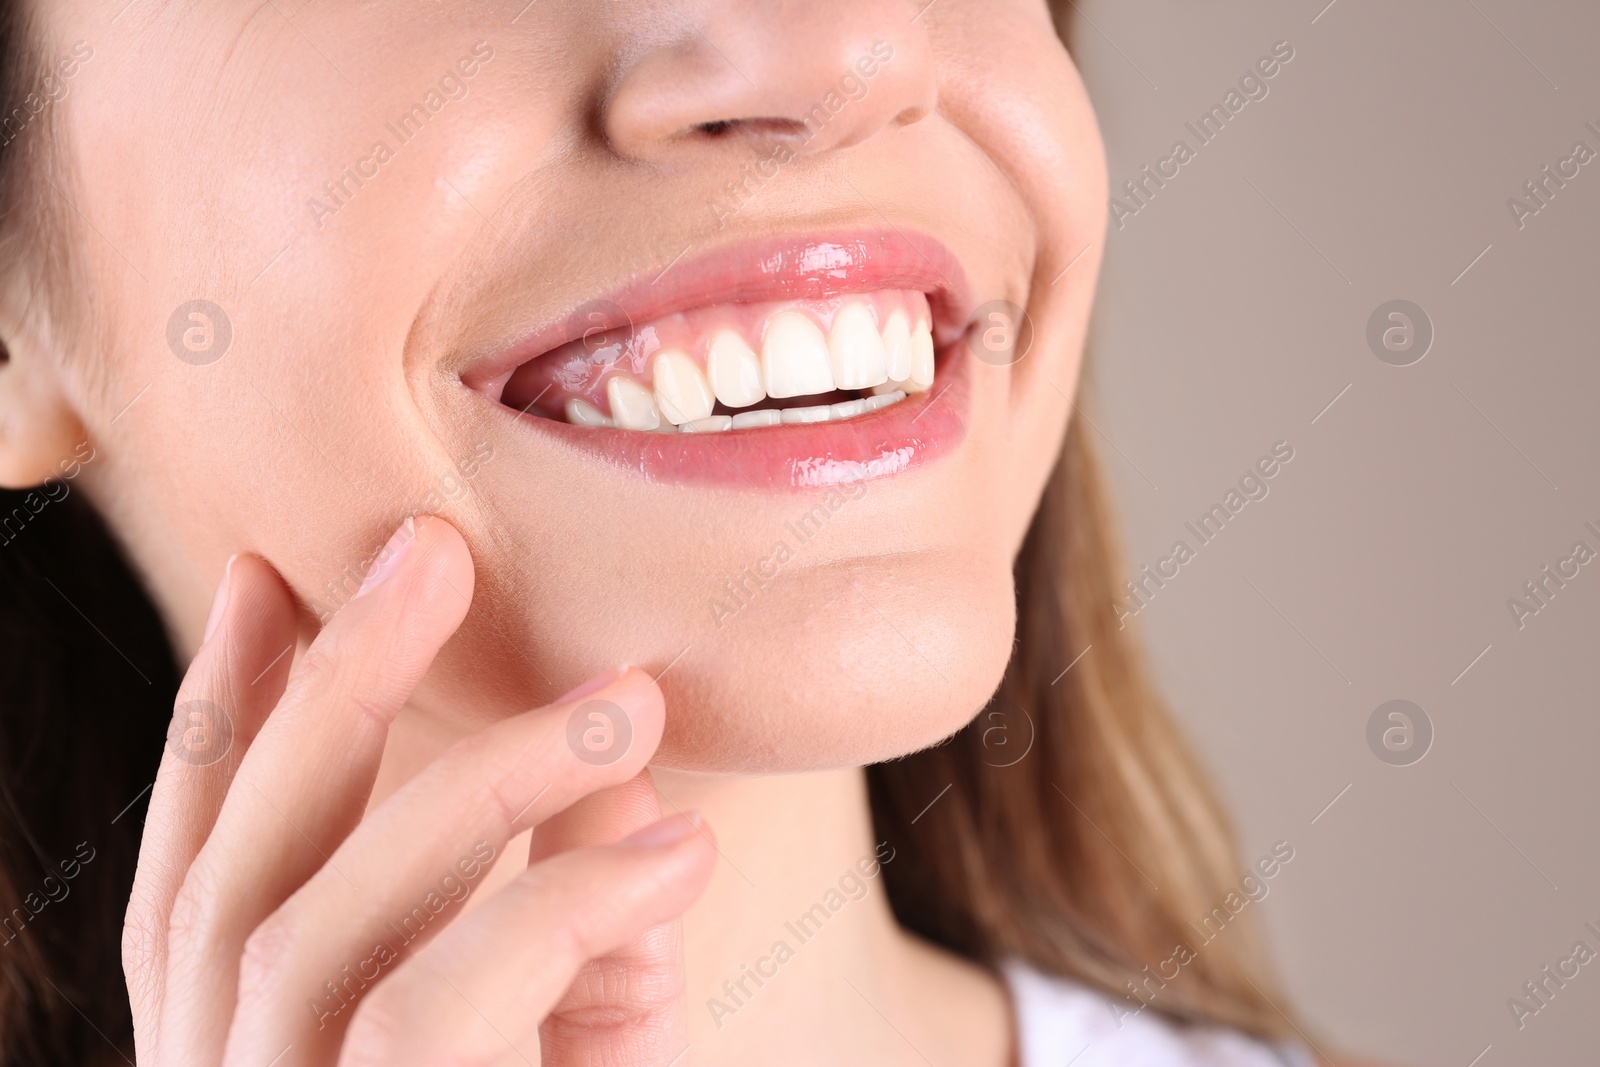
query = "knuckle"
{"x": 265, "y": 959}
{"x": 331, "y": 668}
{"x": 379, "y": 712}
{"x": 196, "y": 912}
{"x": 479, "y": 757}
{"x": 320, "y": 661}
{"x": 614, "y": 995}
{"x": 509, "y": 804}
{"x": 321, "y": 669}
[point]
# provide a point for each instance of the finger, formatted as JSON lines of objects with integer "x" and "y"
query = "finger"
{"x": 232, "y": 684}
{"x": 627, "y": 1005}
{"x": 401, "y": 876}
{"x": 477, "y": 993}
{"x": 604, "y": 817}
{"x": 306, "y": 779}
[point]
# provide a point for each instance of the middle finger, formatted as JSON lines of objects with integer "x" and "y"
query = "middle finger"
{"x": 403, "y": 873}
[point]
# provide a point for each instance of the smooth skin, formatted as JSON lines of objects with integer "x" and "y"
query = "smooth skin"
{"x": 236, "y": 916}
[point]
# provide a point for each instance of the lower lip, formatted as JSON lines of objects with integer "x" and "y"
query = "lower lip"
{"x": 885, "y": 442}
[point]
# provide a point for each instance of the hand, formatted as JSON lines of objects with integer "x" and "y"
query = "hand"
{"x": 272, "y": 922}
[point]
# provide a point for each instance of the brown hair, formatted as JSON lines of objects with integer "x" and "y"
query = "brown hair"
{"x": 1088, "y": 857}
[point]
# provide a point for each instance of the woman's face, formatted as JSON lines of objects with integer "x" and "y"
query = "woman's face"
{"x": 420, "y": 230}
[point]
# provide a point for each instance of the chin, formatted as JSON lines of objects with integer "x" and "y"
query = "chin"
{"x": 787, "y": 481}
{"x": 849, "y": 664}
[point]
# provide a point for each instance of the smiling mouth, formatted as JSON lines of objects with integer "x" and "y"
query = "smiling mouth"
{"x": 737, "y": 366}
{"x": 789, "y": 362}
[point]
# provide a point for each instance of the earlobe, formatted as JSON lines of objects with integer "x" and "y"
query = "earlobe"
{"x": 40, "y": 432}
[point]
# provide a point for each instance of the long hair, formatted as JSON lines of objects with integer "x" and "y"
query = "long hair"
{"x": 1088, "y": 856}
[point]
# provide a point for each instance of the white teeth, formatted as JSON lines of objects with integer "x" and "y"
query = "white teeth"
{"x": 897, "y": 347}
{"x": 681, "y": 390}
{"x": 637, "y": 405}
{"x": 855, "y": 351}
{"x": 735, "y": 371}
{"x": 709, "y": 424}
{"x": 581, "y": 414}
{"x": 745, "y": 420}
{"x": 883, "y": 400}
{"x": 819, "y": 413}
{"x": 632, "y": 406}
{"x": 845, "y": 409}
{"x": 796, "y": 360}
{"x": 795, "y": 357}
{"x": 921, "y": 359}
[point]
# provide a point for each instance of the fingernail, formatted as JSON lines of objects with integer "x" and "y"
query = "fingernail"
{"x": 219, "y": 601}
{"x": 389, "y": 557}
{"x": 593, "y": 685}
{"x": 668, "y": 831}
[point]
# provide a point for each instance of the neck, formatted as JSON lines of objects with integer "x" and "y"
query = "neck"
{"x": 793, "y": 955}
{"x": 796, "y": 928}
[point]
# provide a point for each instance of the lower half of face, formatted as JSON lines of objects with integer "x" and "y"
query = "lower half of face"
{"x": 742, "y": 355}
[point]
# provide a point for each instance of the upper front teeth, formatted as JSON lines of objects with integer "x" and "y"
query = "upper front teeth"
{"x": 796, "y": 359}
{"x": 795, "y": 355}
{"x": 856, "y": 353}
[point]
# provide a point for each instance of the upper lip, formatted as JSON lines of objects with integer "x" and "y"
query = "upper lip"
{"x": 791, "y": 266}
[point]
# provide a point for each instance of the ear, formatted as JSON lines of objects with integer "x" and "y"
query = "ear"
{"x": 39, "y": 428}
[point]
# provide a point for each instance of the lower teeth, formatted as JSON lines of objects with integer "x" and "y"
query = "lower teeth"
{"x": 579, "y": 413}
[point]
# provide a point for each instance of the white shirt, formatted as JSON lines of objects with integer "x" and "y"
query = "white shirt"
{"x": 1060, "y": 1022}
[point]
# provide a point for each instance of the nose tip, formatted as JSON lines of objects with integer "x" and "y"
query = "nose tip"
{"x": 827, "y": 81}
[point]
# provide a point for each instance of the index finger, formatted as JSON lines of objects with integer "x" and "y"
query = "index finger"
{"x": 403, "y": 873}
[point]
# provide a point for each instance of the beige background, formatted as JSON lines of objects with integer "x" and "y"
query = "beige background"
{"x": 1234, "y": 310}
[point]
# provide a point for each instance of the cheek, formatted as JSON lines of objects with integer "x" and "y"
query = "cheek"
{"x": 300, "y": 440}
{"x": 1010, "y": 86}
{"x": 1013, "y": 90}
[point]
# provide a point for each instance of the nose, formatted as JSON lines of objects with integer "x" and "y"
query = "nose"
{"x": 820, "y": 75}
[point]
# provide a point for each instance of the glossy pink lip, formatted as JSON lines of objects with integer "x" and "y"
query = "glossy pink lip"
{"x": 884, "y": 442}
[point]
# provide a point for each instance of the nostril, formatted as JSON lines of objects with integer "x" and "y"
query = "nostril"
{"x": 764, "y": 128}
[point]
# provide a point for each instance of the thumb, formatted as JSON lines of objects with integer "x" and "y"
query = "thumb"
{"x": 627, "y": 1007}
